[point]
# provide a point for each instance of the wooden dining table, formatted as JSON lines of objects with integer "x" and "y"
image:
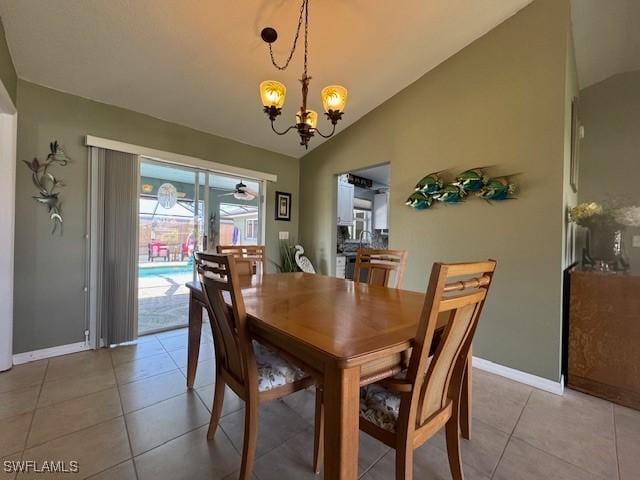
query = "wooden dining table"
{"x": 347, "y": 333}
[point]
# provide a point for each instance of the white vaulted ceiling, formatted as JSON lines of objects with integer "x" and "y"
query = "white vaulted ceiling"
{"x": 198, "y": 63}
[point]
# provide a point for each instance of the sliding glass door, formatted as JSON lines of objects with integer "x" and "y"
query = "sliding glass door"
{"x": 235, "y": 211}
{"x": 183, "y": 210}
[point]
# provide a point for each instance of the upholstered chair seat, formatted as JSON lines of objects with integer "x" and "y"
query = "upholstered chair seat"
{"x": 380, "y": 406}
{"x": 273, "y": 370}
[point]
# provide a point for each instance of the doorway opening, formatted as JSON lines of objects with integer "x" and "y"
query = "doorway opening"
{"x": 362, "y": 215}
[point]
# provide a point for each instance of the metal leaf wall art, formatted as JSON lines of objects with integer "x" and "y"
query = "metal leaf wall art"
{"x": 47, "y": 183}
{"x": 434, "y": 187}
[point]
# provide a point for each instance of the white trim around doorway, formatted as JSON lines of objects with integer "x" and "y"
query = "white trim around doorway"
{"x": 8, "y": 144}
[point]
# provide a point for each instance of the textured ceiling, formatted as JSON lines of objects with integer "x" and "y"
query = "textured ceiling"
{"x": 606, "y": 34}
{"x": 198, "y": 63}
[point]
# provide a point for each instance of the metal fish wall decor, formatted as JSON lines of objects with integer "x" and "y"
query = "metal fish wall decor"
{"x": 450, "y": 193}
{"x": 46, "y": 183}
{"x": 499, "y": 188}
{"x": 419, "y": 201}
{"x": 475, "y": 180}
{"x": 472, "y": 180}
{"x": 430, "y": 184}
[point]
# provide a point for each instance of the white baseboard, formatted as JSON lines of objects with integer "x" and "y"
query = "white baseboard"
{"x": 26, "y": 357}
{"x": 522, "y": 377}
{"x": 479, "y": 363}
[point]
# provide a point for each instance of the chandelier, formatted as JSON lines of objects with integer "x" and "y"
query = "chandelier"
{"x": 272, "y": 93}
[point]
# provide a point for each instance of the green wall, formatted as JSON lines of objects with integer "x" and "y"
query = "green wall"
{"x": 7, "y": 71}
{"x": 500, "y": 101}
{"x": 50, "y": 271}
{"x": 610, "y": 153}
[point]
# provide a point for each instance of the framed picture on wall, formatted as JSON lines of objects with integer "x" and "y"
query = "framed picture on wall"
{"x": 283, "y": 206}
{"x": 575, "y": 145}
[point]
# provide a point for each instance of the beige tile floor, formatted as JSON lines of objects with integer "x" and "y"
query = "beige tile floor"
{"x": 125, "y": 413}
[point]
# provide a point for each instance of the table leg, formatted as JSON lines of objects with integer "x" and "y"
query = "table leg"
{"x": 342, "y": 416}
{"x": 195, "y": 330}
{"x": 465, "y": 401}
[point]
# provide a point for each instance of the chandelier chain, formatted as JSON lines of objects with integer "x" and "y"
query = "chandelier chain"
{"x": 306, "y": 34}
{"x": 303, "y": 10}
{"x": 306, "y": 120}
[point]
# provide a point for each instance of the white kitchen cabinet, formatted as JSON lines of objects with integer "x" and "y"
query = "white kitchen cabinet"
{"x": 341, "y": 264}
{"x": 345, "y": 203}
{"x": 381, "y": 211}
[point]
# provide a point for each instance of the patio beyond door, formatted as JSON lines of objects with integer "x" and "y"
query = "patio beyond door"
{"x": 183, "y": 210}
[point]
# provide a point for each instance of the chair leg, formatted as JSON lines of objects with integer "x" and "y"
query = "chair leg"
{"x": 250, "y": 437}
{"x": 404, "y": 462}
{"x": 318, "y": 453}
{"x": 216, "y": 409}
{"x": 453, "y": 447}
{"x": 465, "y": 400}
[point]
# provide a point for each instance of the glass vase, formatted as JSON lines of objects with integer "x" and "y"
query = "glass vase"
{"x": 605, "y": 249}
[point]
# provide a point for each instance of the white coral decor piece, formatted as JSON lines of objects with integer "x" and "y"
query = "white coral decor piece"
{"x": 628, "y": 216}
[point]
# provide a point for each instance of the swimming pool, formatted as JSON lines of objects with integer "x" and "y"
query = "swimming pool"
{"x": 153, "y": 271}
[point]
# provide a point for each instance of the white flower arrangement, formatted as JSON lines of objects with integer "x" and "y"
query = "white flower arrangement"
{"x": 595, "y": 215}
{"x": 584, "y": 213}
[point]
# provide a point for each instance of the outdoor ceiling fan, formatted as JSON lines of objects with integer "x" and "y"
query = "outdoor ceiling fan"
{"x": 241, "y": 192}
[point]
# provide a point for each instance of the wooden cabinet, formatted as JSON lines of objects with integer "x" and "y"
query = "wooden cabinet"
{"x": 345, "y": 203}
{"x": 604, "y": 336}
{"x": 381, "y": 211}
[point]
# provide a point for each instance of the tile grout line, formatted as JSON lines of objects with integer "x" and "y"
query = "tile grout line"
{"x": 271, "y": 449}
{"x": 589, "y": 472}
{"x": 33, "y": 413}
{"x": 177, "y": 369}
{"x": 74, "y": 431}
{"x": 193, "y": 390}
{"x": 114, "y": 466}
{"x": 582, "y": 469}
{"x": 564, "y": 460}
{"x": 53, "y": 404}
{"x": 167, "y": 441}
{"x": 164, "y": 399}
{"x": 376, "y": 461}
{"x": 515, "y": 425}
{"x": 101, "y": 422}
{"x": 124, "y": 418}
{"x": 615, "y": 439}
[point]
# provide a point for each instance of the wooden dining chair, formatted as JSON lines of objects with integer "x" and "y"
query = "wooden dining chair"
{"x": 405, "y": 411}
{"x": 247, "y": 257}
{"x": 383, "y": 267}
{"x": 256, "y": 372}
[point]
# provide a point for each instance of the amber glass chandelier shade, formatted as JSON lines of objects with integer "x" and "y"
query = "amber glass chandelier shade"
{"x": 334, "y": 97}
{"x": 311, "y": 118}
{"x": 272, "y": 93}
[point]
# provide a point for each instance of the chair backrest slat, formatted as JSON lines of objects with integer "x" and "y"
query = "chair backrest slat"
{"x": 219, "y": 278}
{"x": 437, "y": 380}
{"x": 384, "y": 267}
{"x": 247, "y": 257}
